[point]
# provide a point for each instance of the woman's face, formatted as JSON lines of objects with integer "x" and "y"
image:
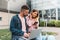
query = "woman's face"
{"x": 34, "y": 14}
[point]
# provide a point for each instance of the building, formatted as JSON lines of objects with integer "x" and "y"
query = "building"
{"x": 9, "y": 8}
{"x": 29, "y": 4}
{"x": 3, "y": 4}
{"x": 47, "y": 8}
{"x": 15, "y": 5}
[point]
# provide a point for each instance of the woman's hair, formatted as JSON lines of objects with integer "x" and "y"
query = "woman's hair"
{"x": 34, "y": 10}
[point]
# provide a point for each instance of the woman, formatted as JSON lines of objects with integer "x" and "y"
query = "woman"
{"x": 32, "y": 20}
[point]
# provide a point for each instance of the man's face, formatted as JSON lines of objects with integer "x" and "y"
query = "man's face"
{"x": 25, "y": 12}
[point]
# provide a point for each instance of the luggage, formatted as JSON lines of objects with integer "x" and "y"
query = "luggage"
{"x": 51, "y": 37}
{"x": 46, "y": 37}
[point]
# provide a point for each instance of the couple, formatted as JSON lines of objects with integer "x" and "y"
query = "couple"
{"x": 22, "y": 24}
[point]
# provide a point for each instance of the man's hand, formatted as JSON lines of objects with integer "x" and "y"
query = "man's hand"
{"x": 26, "y": 35}
{"x": 29, "y": 34}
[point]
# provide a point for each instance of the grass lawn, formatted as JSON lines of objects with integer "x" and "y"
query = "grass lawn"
{"x": 49, "y": 33}
{"x": 6, "y": 35}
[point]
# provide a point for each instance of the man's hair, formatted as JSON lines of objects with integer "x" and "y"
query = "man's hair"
{"x": 24, "y": 7}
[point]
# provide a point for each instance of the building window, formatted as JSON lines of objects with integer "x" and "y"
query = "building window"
{"x": 40, "y": 14}
{"x": 53, "y": 13}
{"x": 59, "y": 13}
{"x": 0, "y": 18}
{"x": 47, "y": 14}
{"x": 50, "y": 13}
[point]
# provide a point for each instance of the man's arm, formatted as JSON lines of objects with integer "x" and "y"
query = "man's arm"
{"x": 13, "y": 29}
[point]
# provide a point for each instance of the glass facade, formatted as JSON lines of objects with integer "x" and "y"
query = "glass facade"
{"x": 49, "y": 13}
{"x": 47, "y": 8}
{"x": 35, "y": 4}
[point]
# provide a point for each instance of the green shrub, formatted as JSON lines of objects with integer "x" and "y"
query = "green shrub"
{"x": 51, "y": 23}
{"x": 57, "y": 23}
{"x": 42, "y": 23}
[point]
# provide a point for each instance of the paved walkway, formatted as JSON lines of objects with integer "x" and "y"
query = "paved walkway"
{"x": 4, "y": 27}
{"x": 52, "y": 29}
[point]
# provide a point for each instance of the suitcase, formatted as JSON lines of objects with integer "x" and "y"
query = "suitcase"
{"x": 46, "y": 37}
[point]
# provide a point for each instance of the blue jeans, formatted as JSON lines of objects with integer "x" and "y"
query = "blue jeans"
{"x": 34, "y": 39}
{"x": 17, "y": 38}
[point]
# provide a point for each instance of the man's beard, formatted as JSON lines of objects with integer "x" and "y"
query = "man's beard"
{"x": 25, "y": 15}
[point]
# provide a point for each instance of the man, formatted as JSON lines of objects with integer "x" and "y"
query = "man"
{"x": 18, "y": 26}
